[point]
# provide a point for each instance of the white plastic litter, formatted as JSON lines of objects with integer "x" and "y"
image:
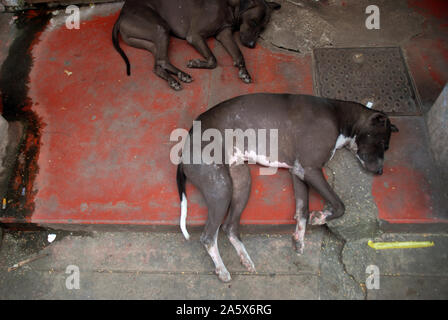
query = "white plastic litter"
{"x": 51, "y": 237}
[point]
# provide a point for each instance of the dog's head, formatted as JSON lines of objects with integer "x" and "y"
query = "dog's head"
{"x": 372, "y": 141}
{"x": 254, "y": 16}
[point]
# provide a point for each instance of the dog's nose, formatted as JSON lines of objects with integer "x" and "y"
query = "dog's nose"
{"x": 251, "y": 44}
{"x": 379, "y": 171}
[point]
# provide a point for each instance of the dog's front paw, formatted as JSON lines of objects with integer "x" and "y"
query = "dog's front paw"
{"x": 244, "y": 75}
{"x": 318, "y": 218}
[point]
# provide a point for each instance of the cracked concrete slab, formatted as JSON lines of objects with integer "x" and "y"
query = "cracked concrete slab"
{"x": 353, "y": 185}
{"x": 158, "y": 266}
{"x": 171, "y": 253}
{"x": 419, "y": 273}
{"x": 3, "y": 136}
{"x": 436, "y": 120}
{"x": 410, "y": 288}
{"x": 4, "y": 126}
{"x": 124, "y": 265}
{"x": 164, "y": 266}
{"x": 298, "y": 28}
{"x": 10, "y": 138}
{"x": 143, "y": 286}
{"x": 336, "y": 283}
{"x": 7, "y": 33}
{"x": 302, "y": 25}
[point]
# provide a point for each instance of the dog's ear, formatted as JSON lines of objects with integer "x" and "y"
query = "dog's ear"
{"x": 246, "y": 5}
{"x": 378, "y": 119}
{"x": 393, "y": 128}
{"x": 233, "y": 3}
{"x": 274, "y": 5}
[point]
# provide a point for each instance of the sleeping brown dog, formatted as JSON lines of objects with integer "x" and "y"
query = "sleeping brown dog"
{"x": 148, "y": 24}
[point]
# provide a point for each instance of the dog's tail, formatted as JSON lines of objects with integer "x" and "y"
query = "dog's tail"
{"x": 117, "y": 46}
{"x": 181, "y": 179}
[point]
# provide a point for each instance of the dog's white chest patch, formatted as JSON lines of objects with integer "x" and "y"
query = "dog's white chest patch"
{"x": 343, "y": 141}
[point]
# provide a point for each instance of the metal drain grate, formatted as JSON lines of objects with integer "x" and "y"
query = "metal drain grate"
{"x": 377, "y": 75}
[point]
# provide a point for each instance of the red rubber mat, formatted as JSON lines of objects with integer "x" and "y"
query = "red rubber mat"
{"x": 104, "y": 154}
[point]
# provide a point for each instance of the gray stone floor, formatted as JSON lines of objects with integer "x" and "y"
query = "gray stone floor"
{"x": 164, "y": 266}
{"x": 302, "y": 25}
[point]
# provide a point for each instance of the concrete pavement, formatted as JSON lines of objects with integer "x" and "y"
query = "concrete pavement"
{"x": 126, "y": 265}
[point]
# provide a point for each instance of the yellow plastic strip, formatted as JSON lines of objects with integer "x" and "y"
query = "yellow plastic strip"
{"x": 400, "y": 245}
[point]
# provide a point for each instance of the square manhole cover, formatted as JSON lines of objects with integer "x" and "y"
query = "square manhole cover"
{"x": 378, "y": 75}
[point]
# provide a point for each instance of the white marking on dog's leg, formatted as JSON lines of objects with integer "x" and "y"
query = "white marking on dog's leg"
{"x": 362, "y": 161}
{"x": 298, "y": 170}
{"x": 353, "y": 146}
{"x": 183, "y": 216}
{"x": 318, "y": 218}
{"x": 299, "y": 234}
{"x": 242, "y": 253}
{"x": 220, "y": 268}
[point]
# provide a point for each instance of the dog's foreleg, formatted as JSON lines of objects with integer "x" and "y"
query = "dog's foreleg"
{"x": 226, "y": 39}
{"x": 315, "y": 178}
{"x": 199, "y": 43}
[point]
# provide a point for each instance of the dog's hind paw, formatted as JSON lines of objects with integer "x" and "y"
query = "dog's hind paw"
{"x": 223, "y": 275}
{"x": 318, "y": 218}
{"x": 298, "y": 245}
{"x": 244, "y": 76}
{"x": 175, "y": 85}
{"x": 247, "y": 263}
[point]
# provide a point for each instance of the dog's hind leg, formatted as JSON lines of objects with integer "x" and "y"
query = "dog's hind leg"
{"x": 199, "y": 43}
{"x": 215, "y": 184}
{"x": 241, "y": 184}
{"x": 301, "y": 215}
{"x": 162, "y": 64}
{"x": 147, "y": 30}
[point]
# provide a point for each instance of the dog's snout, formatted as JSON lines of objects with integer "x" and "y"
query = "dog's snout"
{"x": 379, "y": 171}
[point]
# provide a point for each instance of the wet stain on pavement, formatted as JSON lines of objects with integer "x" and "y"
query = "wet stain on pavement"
{"x": 16, "y": 106}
